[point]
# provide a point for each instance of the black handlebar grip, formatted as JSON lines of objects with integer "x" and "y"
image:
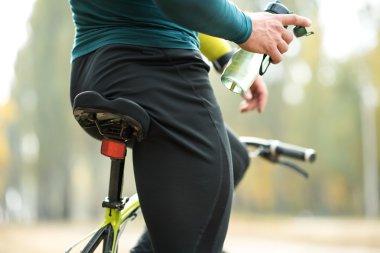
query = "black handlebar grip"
{"x": 304, "y": 154}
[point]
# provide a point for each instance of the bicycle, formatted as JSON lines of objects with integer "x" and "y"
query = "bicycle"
{"x": 119, "y": 123}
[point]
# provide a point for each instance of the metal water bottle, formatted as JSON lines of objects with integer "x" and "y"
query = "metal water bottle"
{"x": 244, "y": 67}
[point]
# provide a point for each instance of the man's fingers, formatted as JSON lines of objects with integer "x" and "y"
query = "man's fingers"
{"x": 262, "y": 103}
{"x": 282, "y": 47}
{"x": 293, "y": 19}
{"x": 248, "y": 106}
{"x": 287, "y": 36}
{"x": 269, "y": 34}
{"x": 275, "y": 55}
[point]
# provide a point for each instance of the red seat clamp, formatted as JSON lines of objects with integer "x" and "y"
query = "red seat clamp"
{"x": 113, "y": 149}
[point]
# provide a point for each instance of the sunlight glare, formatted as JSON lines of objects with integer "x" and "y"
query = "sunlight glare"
{"x": 13, "y": 24}
{"x": 347, "y": 27}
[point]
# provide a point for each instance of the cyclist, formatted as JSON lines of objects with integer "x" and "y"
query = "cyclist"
{"x": 147, "y": 51}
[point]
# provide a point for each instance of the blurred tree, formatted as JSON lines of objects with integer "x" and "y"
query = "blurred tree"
{"x": 44, "y": 120}
{"x": 60, "y": 174}
{"x": 7, "y": 117}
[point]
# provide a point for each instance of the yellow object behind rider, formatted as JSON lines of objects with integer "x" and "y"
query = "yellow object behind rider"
{"x": 216, "y": 50}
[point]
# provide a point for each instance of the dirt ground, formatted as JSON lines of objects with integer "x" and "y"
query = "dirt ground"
{"x": 246, "y": 235}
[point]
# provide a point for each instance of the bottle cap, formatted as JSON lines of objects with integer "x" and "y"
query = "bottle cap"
{"x": 277, "y": 8}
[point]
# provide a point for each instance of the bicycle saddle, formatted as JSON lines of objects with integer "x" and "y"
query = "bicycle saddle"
{"x": 120, "y": 118}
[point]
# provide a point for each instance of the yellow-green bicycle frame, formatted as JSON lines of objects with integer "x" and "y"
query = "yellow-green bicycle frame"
{"x": 111, "y": 228}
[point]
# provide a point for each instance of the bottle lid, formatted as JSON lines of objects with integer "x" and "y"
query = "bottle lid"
{"x": 277, "y": 8}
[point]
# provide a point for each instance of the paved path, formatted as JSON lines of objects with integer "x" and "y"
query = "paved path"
{"x": 245, "y": 236}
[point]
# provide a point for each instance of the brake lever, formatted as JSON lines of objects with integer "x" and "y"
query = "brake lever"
{"x": 274, "y": 159}
{"x": 294, "y": 167}
{"x": 266, "y": 154}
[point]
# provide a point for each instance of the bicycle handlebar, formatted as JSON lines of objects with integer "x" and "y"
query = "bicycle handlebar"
{"x": 277, "y": 148}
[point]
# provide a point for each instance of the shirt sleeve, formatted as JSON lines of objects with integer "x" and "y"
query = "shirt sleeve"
{"x": 219, "y": 18}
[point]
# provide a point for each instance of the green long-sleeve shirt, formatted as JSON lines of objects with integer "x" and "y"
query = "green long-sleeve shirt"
{"x": 159, "y": 23}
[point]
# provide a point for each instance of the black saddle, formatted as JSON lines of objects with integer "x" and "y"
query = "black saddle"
{"x": 119, "y": 119}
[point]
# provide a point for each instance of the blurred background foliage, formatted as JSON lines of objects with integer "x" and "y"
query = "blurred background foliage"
{"x": 50, "y": 169}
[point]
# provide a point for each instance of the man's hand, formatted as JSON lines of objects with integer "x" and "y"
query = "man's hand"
{"x": 255, "y": 97}
{"x": 269, "y": 35}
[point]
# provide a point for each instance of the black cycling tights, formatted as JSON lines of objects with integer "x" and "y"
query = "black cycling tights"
{"x": 183, "y": 169}
{"x": 240, "y": 162}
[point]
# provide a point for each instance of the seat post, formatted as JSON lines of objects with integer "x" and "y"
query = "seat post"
{"x": 116, "y": 180}
{"x": 117, "y": 151}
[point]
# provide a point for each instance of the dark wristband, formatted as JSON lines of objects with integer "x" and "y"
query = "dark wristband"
{"x": 222, "y": 61}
